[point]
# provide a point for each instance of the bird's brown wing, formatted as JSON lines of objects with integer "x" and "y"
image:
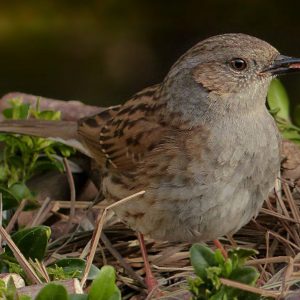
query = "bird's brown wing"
{"x": 121, "y": 136}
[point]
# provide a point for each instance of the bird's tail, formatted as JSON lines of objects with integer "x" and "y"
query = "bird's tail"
{"x": 60, "y": 131}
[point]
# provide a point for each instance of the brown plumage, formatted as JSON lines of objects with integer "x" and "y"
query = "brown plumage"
{"x": 201, "y": 144}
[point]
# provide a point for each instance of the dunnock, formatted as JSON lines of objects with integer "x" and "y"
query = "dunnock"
{"x": 202, "y": 143}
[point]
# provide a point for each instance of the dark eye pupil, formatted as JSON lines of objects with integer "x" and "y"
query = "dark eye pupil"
{"x": 238, "y": 64}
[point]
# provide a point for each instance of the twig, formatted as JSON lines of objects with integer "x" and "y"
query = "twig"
{"x": 15, "y": 217}
{"x": 51, "y": 208}
{"x": 80, "y": 204}
{"x": 282, "y": 239}
{"x": 278, "y": 215}
{"x": 32, "y": 276}
{"x": 278, "y": 188}
{"x": 40, "y": 211}
{"x": 291, "y": 201}
{"x": 121, "y": 260}
{"x": 40, "y": 267}
{"x": 97, "y": 234}
{"x": 288, "y": 275}
{"x": 248, "y": 288}
{"x": 72, "y": 192}
{"x": 85, "y": 251}
{"x": 268, "y": 260}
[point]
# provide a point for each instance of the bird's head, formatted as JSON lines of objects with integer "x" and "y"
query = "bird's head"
{"x": 232, "y": 71}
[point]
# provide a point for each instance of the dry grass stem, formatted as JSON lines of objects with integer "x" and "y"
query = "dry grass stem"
{"x": 97, "y": 234}
{"x": 32, "y": 276}
{"x": 37, "y": 218}
{"x": 14, "y": 218}
{"x": 248, "y": 288}
{"x": 72, "y": 192}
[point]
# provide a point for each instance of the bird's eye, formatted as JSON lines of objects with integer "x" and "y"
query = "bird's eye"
{"x": 238, "y": 64}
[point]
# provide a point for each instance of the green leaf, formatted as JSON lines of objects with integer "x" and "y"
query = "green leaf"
{"x": 22, "y": 157}
{"x": 227, "y": 268}
{"x": 24, "y": 297}
{"x": 23, "y": 111}
{"x": 213, "y": 273}
{"x": 245, "y": 274}
{"x": 11, "y": 291}
{"x": 32, "y": 241}
{"x": 219, "y": 257}
{"x": 195, "y": 285}
{"x": 291, "y": 134}
{"x": 49, "y": 115}
{"x": 3, "y": 172}
{"x": 9, "y": 199}
{"x": 212, "y": 266}
{"x": 46, "y": 164}
{"x": 201, "y": 258}
{"x": 76, "y": 266}
{"x": 20, "y": 191}
{"x": 53, "y": 291}
{"x": 18, "y": 110}
{"x": 65, "y": 151}
{"x": 220, "y": 295}
{"x": 8, "y": 113}
{"x": 9, "y": 265}
{"x": 241, "y": 254}
{"x": 2, "y": 285}
{"x": 13, "y": 195}
{"x": 42, "y": 165}
{"x": 278, "y": 99}
{"x": 78, "y": 297}
{"x": 104, "y": 287}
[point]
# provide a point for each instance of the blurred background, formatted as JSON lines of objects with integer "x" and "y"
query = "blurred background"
{"x": 102, "y": 52}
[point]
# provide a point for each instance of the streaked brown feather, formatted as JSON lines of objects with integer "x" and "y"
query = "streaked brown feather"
{"x": 120, "y": 137}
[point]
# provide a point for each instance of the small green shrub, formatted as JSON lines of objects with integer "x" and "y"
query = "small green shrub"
{"x": 210, "y": 266}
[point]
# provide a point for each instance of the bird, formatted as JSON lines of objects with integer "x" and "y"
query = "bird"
{"x": 201, "y": 144}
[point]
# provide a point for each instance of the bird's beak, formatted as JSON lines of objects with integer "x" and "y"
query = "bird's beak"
{"x": 283, "y": 64}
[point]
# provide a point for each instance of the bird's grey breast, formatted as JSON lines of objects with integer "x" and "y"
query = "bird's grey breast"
{"x": 239, "y": 169}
